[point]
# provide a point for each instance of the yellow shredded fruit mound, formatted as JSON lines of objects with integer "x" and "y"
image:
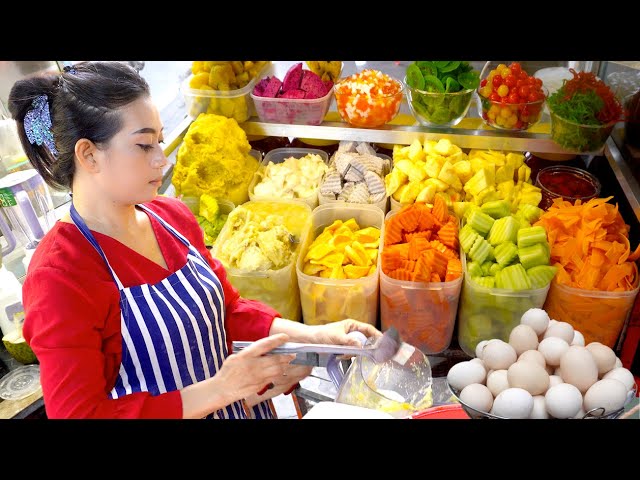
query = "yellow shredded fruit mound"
{"x": 214, "y": 158}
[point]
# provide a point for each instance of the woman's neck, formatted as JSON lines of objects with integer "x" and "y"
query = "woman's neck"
{"x": 104, "y": 215}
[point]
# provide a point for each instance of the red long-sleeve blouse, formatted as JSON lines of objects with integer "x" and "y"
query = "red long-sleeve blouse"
{"x": 72, "y": 314}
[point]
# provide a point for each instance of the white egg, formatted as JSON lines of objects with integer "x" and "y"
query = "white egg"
{"x": 537, "y": 319}
{"x": 539, "y": 408}
{"x": 479, "y": 362}
{"x": 555, "y": 380}
{"x": 477, "y": 396}
{"x": 578, "y": 368}
{"x": 523, "y": 338}
{"x": 578, "y": 338}
{"x": 497, "y": 381}
{"x": 604, "y": 357}
{"x": 552, "y": 349}
{"x": 622, "y": 375}
{"x": 607, "y": 393}
{"x": 530, "y": 376}
{"x": 563, "y": 401}
{"x": 532, "y": 356}
{"x": 561, "y": 330}
{"x": 480, "y": 347}
{"x": 513, "y": 403}
{"x": 498, "y": 355}
{"x": 465, "y": 373}
{"x": 618, "y": 363}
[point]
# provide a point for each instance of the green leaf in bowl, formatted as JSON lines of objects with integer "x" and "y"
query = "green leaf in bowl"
{"x": 450, "y": 67}
{"x": 415, "y": 79}
{"x": 433, "y": 84}
{"x": 427, "y": 68}
{"x": 469, "y": 80}
{"x": 441, "y": 64}
{"x": 451, "y": 85}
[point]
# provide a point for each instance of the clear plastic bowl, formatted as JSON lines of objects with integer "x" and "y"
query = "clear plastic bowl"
{"x": 276, "y": 288}
{"x": 486, "y": 313}
{"x": 235, "y": 104}
{"x": 598, "y": 315}
{"x": 423, "y": 313}
{"x": 279, "y": 155}
{"x": 326, "y": 300}
{"x": 581, "y": 184}
{"x": 577, "y": 137}
{"x": 435, "y": 109}
{"x": 304, "y": 111}
{"x": 363, "y": 110}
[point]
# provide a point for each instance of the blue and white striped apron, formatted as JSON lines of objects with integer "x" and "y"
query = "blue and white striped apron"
{"x": 173, "y": 331}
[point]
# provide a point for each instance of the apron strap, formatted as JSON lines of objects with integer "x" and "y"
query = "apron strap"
{"x": 165, "y": 225}
{"x": 82, "y": 226}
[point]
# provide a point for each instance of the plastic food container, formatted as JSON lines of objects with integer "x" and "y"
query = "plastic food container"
{"x": 276, "y": 288}
{"x": 279, "y": 155}
{"x": 598, "y": 315}
{"x": 225, "y": 207}
{"x": 231, "y": 104}
{"x": 326, "y": 300}
{"x": 305, "y": 111}
{"x": 382, "y": 204}
{"x": 486, "y": 313}
{"x": 570, "y": 183}
{"x": 423, "y": 313}
{"x": 578, "y": 137}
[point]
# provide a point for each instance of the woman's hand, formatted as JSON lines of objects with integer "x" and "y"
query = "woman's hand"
{"x": 292, "y": 376}
{"x": 336, "y": 333}
{"x": 244, "y": 373}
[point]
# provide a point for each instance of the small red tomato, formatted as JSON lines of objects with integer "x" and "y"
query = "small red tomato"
{"x": 524, "y": 91}
{"x": 519, "y": 125}
{"x": 494, "y": 97}
{"x": 510, "y": 81}
{"x": 533, "y": 97}
{"x": 497, "y": 81}
{"x": 519, "y": 83}
{"x": 523, "y": 75}
{"x": 484, "y": 115}
{"x": 483, "y": 82}
{"x": 515, "y": 68}
{"x": 514, "y": 97}
{"x": 524, "y": 111}
{"x": 539, "y": 82}
{"x": 531, "y": 81}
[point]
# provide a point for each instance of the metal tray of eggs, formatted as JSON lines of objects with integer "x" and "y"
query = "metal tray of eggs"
{"x": 594, "y": 413}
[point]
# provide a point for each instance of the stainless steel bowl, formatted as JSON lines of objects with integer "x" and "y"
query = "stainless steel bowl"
{"x": 591, "y": 414}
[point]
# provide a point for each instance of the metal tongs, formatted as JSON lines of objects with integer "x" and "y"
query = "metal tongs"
{"x": 317, "y": 354}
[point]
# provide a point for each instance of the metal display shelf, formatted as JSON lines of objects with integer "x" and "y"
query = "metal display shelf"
{"x": 405, "y": 134}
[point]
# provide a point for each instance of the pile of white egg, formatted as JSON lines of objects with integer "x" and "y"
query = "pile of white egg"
{"x": 544, "y": 371}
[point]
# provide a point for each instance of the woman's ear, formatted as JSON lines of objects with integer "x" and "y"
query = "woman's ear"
{"x": 85, "y": 151}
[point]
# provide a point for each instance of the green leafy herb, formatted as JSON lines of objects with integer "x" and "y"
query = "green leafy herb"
{"x": 430, "y": 79}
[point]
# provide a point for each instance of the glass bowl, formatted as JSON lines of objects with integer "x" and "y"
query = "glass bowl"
{"x": 511, "y": 116}
{"x": 437, "y": 109}
{"x": 360, "y": 108}
{"x": 578, "y": 137}
{"x": 569, "y": 183}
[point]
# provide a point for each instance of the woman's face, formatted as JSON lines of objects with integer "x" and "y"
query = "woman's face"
{"x": 132, "y": 164}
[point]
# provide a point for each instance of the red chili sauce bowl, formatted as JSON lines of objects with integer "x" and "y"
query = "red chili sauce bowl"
{"x": 570, "y": 183}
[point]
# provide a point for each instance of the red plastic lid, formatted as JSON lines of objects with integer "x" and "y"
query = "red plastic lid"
{"x": 449, "y": 411}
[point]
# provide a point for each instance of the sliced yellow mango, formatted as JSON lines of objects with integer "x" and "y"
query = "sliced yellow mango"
{"x": 354, "y": 271}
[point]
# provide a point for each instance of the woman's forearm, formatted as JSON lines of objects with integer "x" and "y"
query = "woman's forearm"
{"x": 202, "y": 398}
{"x": 298, "y": 332}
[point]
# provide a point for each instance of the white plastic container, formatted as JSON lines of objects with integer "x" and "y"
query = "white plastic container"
{"x": 326, "y": 300}
{"x": 276, "y": 288}
{"x": 279, "y": 155}
{"x": 231, "y": 104}
{"x": 10, "y": 293}
{"x": 382, "y": 204}
{"x": 301, "y": 111}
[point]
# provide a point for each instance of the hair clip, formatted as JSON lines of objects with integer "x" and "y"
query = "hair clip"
{"x": 37, "y": 124}
{"x": 70, "y": 69}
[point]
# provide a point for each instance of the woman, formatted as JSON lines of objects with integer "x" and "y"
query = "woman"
{"x": 126, "y": 310}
